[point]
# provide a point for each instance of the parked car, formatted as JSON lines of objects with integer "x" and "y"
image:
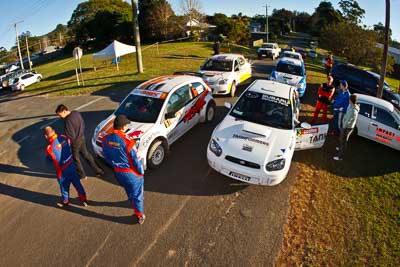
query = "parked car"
{"x": 7, "y": 80}
{"x": 25, "y": 79}
{"x": 256, "y": 140}
{"x": 223, "y": 73}
{"x": 363, "y": 82}
{"x": 161, "y": 110}
{"x": 291, "y": 71}
{"x": 271, "y": 50}
{"x": 312, "y": 53}
{"x": 379, "y": 121}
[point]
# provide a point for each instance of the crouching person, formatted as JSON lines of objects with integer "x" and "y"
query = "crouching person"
{"x": 119, "y": 152}
{"x": 59, "y": 151}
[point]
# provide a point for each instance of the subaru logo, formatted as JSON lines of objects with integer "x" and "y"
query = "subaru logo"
{"x": 242, "y": 162}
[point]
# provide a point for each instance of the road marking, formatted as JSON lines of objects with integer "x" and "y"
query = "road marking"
{"x": 97, "y": 251}
{"x": 160, "y": 232}
{"x": 89, "y": 103}
{"x": 23, "y": 139}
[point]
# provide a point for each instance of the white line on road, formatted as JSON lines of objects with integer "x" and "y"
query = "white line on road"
{"x": 163, "y": 229}
{"x": 23, "y": 139}
{"x": 97, "y": 251}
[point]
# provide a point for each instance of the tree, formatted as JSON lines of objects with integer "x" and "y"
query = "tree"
{"x": 380, "y": 30}
{"x": 325, "y": 14}
{"x": 351, "y": 11}
{"x": 161, "y": 19}
{"x": 192, "y": 11}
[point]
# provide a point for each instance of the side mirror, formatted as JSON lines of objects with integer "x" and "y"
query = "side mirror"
{"x": 228, "y": 105}
{"x": 305, "y": 125}
{"x": 169, "y": 115}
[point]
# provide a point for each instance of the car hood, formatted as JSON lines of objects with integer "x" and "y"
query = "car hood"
{"x": 252, "y": 142}
{"x": 135, "y": 129}
{"x": 287, "y": 78}
{"x": 214, "y": 76}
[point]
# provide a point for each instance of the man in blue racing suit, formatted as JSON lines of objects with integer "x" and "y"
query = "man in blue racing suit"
{"x": 59, "y": 152}
{"x": 119, "y": 152}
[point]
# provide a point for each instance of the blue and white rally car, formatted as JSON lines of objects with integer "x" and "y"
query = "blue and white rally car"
{"x": 291, "y": 71}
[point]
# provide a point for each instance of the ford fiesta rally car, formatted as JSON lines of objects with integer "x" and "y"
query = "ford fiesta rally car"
{"x": 255, "y": 141}
{"x": 161, "y": 110}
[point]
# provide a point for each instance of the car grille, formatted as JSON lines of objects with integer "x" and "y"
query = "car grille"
{"x": 243, "y": 162}
{"x": 99, "y": 143}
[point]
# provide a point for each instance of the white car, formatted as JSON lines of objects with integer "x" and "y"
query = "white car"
{"x": 25, "y": 80}
{"x": 290, "y": 54}
{"x": 223, "y": 73}
{"x": 255, "y": 141}
{"x": 271, "y": 50}
{"x": 161, "y": 110}
{"x": 379, "y": 121}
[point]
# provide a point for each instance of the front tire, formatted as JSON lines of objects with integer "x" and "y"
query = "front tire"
{"x": 210, "y": 112}
{"x": 156, "y": 154}
{"x": 233, "y": 89}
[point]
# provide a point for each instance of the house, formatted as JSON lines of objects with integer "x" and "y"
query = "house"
{"x": 194, "y": 25}
{"x": 255, "y": 27}
{"x": 392, "y": 51}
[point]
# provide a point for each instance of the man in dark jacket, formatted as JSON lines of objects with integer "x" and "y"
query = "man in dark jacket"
{"x": 74, "y": 129}
{"x": 119, "y": 151}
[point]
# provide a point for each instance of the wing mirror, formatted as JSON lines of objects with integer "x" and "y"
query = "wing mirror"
{"x": 169, "y": 115}
{"x": 228, "y": 105}
{"x": 305, "y": 125}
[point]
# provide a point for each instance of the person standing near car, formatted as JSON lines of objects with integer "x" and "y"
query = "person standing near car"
{"x": 74, "y": 129}
{"x": 119, "y": 152}
{"x": 340, "y": 105}
{"x": 325, "y": 93}
{"x": 329, "y": 65}
{"x": 349, "y": 122}
{"x": 59, "y": 152}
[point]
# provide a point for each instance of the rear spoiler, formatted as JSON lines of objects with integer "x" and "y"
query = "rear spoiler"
{"x": 190, "y": 73}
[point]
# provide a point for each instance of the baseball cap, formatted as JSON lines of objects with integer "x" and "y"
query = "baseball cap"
{"x": 120, "y": 121}
{"x": 344, "y": 83}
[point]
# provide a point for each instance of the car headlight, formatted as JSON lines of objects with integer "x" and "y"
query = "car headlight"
{"x": 275, "y": 165}
{"x": 396, "y": 102}
{"x": 222, "y": 81}
{"x": 215, "y": 148}
{"x": 96, "y": 131}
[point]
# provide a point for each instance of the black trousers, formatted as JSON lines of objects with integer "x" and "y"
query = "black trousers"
{"x": 79, "y": 147}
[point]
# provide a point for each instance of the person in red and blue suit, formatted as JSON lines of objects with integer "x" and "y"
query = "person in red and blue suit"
{"x": 59, "y": 152}
{"x": 119, "y": 152}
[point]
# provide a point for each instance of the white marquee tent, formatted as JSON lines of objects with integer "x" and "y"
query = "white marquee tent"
{"x": 114, "y": 50}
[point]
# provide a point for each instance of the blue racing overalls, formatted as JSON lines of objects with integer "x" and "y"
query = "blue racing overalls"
{"x": 119, "y": 152}
{"x": 59, "y": 151}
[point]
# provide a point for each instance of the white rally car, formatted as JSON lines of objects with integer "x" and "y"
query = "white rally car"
{"x": 161, "y": 110}
{"x": 379, "y": 121}
{"x": 255, "y": 141}
{"x": 223, "y": 73}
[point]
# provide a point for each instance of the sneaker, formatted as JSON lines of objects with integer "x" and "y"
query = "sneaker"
{"x": 85, "y": 204}
{"x": 99, "y": 173}
{"x": 84, "y": 178}
{"x": 62, "y": 204}
{"x": 337, "y": 148}
{"x": 141, "y": 219}
{"x": 337, "y": 158}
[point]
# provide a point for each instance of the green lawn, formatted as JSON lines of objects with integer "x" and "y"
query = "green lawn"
{"x": 59, "y": 76}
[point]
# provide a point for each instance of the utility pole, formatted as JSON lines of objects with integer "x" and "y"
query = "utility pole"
{"x": 385, "y": 50}
{"x": 137, "y": 36}
{"x": 19, "y": 48}
{"x": 27, "y": 50}
{"x": 266, "y": 21}
{"x": 60, "y": 37}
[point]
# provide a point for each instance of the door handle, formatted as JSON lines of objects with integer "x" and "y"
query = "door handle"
{"x": 374, "y": 124}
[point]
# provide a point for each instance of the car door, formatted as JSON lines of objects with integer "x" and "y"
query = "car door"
{"x": 244, "y": 69}
{"x": 27, "y": 79}
{"x": 364, "y": 120}
{"x": 313, "y": 137}
{"x": 175, "y": 115}
{"x": 384, "y": 128}
{"x": 353, "y": 77}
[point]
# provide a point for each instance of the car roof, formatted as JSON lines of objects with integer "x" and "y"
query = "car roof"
{"x": 271, "y": 88}
{"x": 375, "y": 101}
{"x": 226, "y": 56}
{"x": 292, "y": 53}
{"x": 166, "y": 83}
{"x": 291, "y": 61}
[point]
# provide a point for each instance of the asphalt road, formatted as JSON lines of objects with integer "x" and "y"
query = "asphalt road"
{"x": 195, "y": 216}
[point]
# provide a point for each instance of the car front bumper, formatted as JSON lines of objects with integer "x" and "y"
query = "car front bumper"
{"x": 220, "y": 89}
{"x": 246, "y": 174}
{"x": 98, "y": 150}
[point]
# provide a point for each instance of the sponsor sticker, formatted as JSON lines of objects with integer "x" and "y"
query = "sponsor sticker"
{"x": 307, "y": 131}
{"x": 384, "y": 135}
{"x": 238, "y": 136}
{"x": 275, "y": 99}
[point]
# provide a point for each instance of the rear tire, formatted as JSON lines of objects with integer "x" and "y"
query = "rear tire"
{"x": 156, "y": 154}
{"x": 233, "y": 89}
{"x": 39, "y": 79}
{"x": 210, "y": 112}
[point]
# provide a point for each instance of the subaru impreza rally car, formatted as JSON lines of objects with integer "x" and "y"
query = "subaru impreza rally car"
{"x": 161, "y": 110}
{"x": 223, "y": 73}
{"x": 291, "y": 71}
{"x": 255, "y": 141}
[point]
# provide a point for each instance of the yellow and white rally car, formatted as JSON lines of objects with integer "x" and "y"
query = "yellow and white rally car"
{"x": 224, "y": 72}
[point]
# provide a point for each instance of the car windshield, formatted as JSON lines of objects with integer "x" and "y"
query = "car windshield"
{"x": 291, "y": 55}
{"x": 267, "y": 46}
{"x": 264, "y": 109}
{"x": 289, "y": 69}
{"x": 218, "y": 65}
{"x": 140, "y": 108}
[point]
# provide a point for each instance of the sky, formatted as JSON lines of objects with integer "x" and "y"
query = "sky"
{"x": 42, "y": 16}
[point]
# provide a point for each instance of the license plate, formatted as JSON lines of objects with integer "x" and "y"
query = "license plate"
{"x": 239, "y": 176}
